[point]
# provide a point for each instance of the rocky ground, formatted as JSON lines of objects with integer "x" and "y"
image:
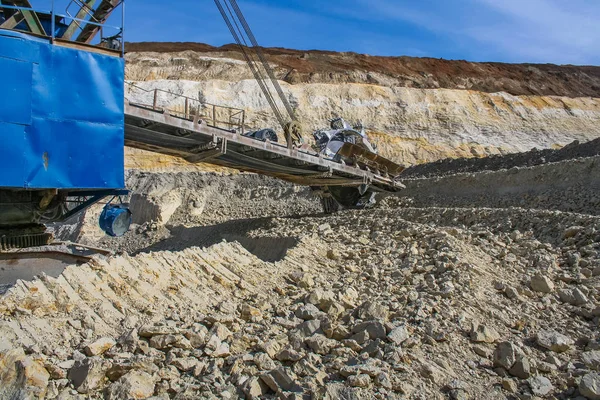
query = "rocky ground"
{"x": 570, "y": 185}
{"x": 469, "y": 285}
{"x": 280, "y": 301}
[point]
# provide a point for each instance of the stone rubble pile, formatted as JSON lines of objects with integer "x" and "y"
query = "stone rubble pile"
{"x": 382, "y": 304}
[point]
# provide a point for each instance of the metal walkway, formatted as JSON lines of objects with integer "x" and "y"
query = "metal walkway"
{"x": 191, "y": 138}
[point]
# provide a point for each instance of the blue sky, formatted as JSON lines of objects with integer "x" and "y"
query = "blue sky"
{"x": 555, "y": 31}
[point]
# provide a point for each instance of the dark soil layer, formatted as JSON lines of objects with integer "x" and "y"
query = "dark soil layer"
{"x": 495, "y": 163}
{"x": 428, "y": 73}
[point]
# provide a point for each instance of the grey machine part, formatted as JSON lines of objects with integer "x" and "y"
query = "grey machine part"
{"x": 328, "y": 143}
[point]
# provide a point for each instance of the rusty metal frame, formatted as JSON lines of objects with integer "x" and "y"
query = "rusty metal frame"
{"x": 96, "y": 21}
{"x": 27, "y": 14}
{"x": 22, "y": 11}
{"x": 75, "y": 24}
{"x": 13, "y": 21}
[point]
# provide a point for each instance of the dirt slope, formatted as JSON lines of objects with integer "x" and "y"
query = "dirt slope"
{"x": 426, "y": 73}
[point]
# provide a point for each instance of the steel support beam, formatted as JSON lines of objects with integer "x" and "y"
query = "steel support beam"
{"x": 30, "y": 17}
{"x": 87, "y": 9}
{"x": 101, "y": 14}
{"x": 160, "y": 132}
{"x": 13, "y": 21}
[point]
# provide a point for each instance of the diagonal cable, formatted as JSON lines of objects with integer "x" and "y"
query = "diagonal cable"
{"x": 246, "y": 47}
{"x": 240, "y": 40}
{"x": 263, "y": 60}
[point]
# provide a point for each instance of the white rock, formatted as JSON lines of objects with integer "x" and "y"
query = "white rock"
{"x": 100, "y": 346}
{"x": 542, "y": 284}
{"x": 87, "y": 375}
{"x": 540, "y": 385}
{"x": 554, "y": 341}
{"x": 591, "y": 359}
{"x": 505, "y": 355}
{"x": 133, "y": 385}
{"x": 590, "y": 386}
{"x": 484, "y": 334}
{"x": 399, "y": 334}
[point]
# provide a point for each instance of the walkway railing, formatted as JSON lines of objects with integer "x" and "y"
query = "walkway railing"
{"x": 188, "y": 108}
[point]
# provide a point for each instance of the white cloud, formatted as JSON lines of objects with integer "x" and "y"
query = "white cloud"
{"x": 554, "y": 31}
{"x": 546, "y": 29}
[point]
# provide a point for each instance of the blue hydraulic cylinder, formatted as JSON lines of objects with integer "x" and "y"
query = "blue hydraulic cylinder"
{"x": 115, "y": 219}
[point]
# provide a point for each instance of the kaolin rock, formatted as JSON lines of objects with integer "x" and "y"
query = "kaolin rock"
{"x": 87, "y": 375}
{"x": 591, "y": 359}
{"x": 521, "y": 368}
{"x": 148, "y": 331}
{"x": 373, "y": 311}
{"x": 574, "y": 297}
{"x": 375, "y": 329}
{"x": 590, "y": 386}
{"x": 542, "y": 284}
{"x": 185, "y": 364}
{"x": 361, "y": 380}
{"x": 255, "y": 388}
{"x": 134, "y": 385}
{"x": 278, "y": 379}
{"x": 163, "y": 341}
{"x": 249, "y": 313}
{"x": 554, "y": 341}
{"x": 288, "y": 354}
{"x": 399, "y": 334}
{"x": 540, "y": 385}
{"x": 483, "y": 334}
{"x": 21, "y": 377}
{"x": 505, "y": 355}
{"x": 307, "y": 312}
{"x": 320, "y": 344}
{"x": 320, "y": 298}
{"x": 100, "y": 346}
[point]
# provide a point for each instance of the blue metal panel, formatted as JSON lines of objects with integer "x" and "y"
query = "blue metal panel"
{"x": 83, "y": 86}
{"x": 67, "y": 106}
{"x": 16, "y": 108}
{"x": 66, "y": 155}
{"x": 19, "y": 46}
{"x": 13, "y": 154}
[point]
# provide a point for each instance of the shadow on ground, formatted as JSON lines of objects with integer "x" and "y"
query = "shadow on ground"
{"x": 269, "y": 249}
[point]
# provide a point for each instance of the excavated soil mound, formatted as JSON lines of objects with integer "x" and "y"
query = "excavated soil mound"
{"x": 498, "y": 162}
{"x": 386, "y": 304}
{"x": 257, "y": 295}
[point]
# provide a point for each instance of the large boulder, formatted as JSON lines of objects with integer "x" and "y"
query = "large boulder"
{"x": 21, "y": 377}
{"x": 133, "y": 385}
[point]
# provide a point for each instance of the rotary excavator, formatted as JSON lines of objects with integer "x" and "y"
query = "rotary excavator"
{"x": 68, "y": 112}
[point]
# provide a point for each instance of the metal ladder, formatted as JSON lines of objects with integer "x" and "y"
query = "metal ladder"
{"x": 86, "y": 8}
{"x": 100, "y": 15}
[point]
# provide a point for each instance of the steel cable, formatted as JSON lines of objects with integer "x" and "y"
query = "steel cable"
{"x": 251, "y": 63}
